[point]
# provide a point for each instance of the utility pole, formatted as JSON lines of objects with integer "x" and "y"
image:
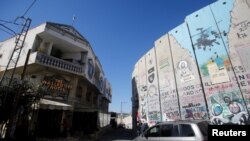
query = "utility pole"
{"x": 121, "y": 111}
{"x": 15, "y": 109}
{"x": 10, "y": 72}
{"x": 19, "y": 43}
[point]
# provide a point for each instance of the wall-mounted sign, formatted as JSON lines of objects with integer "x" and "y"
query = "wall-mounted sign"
{"x": 56, "y": 86}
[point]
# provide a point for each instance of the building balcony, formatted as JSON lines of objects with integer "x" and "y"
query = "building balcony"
{"x": 56, "y": 63}
{"x": 61, "y": 65}
{"x": 107, "y": 96}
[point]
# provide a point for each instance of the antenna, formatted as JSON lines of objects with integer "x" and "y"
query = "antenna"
{"x": 73, "y": 20}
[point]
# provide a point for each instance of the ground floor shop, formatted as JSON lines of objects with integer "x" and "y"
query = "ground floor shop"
{"x": 59, "y": 123}
{"x": 68, "y": 106}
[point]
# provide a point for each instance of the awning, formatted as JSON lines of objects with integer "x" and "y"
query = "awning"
{"x": 54, "y": 105}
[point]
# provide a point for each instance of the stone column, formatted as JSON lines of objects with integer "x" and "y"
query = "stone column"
{"x": 92, "y": 99}
{"x": 46, "y": 47}
{"x": 84, "y": 92}
{"x": 49, "y": 48}
{"x": 72, "y": 93}
{"x": 84, "y": 57}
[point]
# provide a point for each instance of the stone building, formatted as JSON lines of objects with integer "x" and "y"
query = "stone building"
{"x": 63, "y": 64}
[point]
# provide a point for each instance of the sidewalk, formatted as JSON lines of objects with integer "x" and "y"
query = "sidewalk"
{"x": 92, "y": 137}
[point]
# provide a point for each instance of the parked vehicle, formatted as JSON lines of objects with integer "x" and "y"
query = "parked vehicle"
{"x": 176, "y": 131}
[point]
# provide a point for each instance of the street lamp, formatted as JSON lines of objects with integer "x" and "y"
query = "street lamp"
{"x": 121, "y": 110}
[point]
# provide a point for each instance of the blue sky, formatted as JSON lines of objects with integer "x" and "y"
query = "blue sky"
{"x": 119, "y": 31}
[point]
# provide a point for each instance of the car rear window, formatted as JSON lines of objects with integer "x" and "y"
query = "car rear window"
{"x": 169, "y": 130}
{"x": 203, "y": 127}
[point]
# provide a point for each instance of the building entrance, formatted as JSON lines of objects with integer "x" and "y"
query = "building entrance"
{"x": 49, "y": 123}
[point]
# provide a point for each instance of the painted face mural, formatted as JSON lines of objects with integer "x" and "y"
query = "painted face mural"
{"x": 229, "y": 112}
{"x": 234, "y": 107}
{"x": 152, "y": 90}
{"x": 217, "y": 109}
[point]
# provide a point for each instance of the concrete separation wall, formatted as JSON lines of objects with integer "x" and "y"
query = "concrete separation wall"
{"x": 200, "y": 69}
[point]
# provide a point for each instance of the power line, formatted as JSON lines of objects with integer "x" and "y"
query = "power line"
{"x": 14, "y": 21}
{"x": 6, "y": 31}
{"x": 29, "y": 8}
{"x": 14, "y": 33}
{"x": 5, "y": 22}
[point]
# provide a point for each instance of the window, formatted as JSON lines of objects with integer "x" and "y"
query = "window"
{"x": 79, "y": 92}
{"x": 169, "y": 130}
{"x": 186, "y": 130}
{"x": 88, "y": 96}
{"x": 95, "y": 99}
{"x": 55, "y": 52}
{"x": 154, "y": 131}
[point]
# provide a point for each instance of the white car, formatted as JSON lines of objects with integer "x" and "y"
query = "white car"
{"x": 176, "y": 131}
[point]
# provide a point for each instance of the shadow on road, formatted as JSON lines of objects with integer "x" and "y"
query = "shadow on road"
{"x": 118, "y": 134}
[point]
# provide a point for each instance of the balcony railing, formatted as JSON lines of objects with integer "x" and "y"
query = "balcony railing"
{"x": 59, "y": 64}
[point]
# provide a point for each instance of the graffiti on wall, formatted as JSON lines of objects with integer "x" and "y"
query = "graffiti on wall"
{"x": 191, "y": 96}
{"x": 207, "y": 39}
{"x": 184, "y": 71}
{"x": 242, "y": 29}
{"x": 167, "y": 87}
{"x": 213, "y": 61}
{"x": 217, "y": 70}
{"x": 210, "y": 68}
{"x": 170, "y": 103}
{"x": 153, "y": 100}
{"x": 228, "y": 108}
{"x": 233, "y": 17}
{"x": 142, "y": 89}
{"x": 192, "y": 102}
{"x": 143, "y": 102}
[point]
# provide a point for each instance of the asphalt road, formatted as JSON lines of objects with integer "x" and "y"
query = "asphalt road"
{"x": 118, "y": 134}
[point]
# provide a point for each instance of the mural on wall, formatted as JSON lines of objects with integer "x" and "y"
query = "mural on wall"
{"x": 228, "y": 108}
{"x": 235, "y": 21}
{"x": 232, "y": 18}
{"x": 142, "y": 88}
{"x": 214, "y": 64}
{"x": 167, "y": 87}
{"x": 191, "y": 96}
{"x": 183, "y": 70}
{"x": 154, "y": 108}
{"x": 210, "y": 52}
{"x": 216, "y": 69}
